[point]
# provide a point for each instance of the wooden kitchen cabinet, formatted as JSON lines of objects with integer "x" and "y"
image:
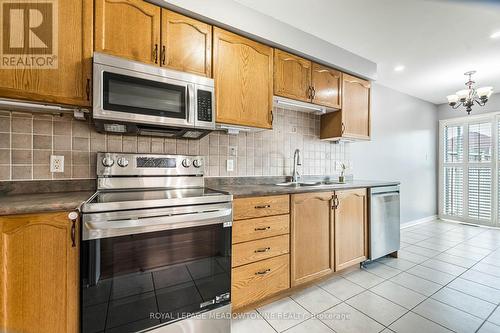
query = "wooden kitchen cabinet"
{"x": 353, "y": 121}
{"x": 292, "y": 76}
{"x": 351, "y": 227}
{"x": 326, "y": 84}
{"x": 39, "y": 273}
{"x": 261, "y": 247}
{"x": 186, "y": 44}
{"x": 128, "y": 29}
{"x": 243, "y": 74}
{"x": 312, "y": 236}
{"x": 69, "y": 81}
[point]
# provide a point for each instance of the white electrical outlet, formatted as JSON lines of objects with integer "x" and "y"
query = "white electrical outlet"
{"x": 230, "y": 165}
{"x": 56, "y": 163}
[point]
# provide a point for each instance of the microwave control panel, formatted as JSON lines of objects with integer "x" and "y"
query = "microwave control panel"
{"x": 204, "y": 105}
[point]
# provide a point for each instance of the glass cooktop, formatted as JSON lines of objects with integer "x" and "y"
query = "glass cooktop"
{"x": 133, "y": 199}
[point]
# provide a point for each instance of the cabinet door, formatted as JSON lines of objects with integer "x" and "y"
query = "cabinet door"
{"x": 38, "y": 273}
{"x": 351, "y": 223}
{"x": 326, "y": 83}
{"x": 292, "y": 76}
{"x": 128, "y": 29}
{"x": 311, "y": 236}
{"x": 356, "y": 107}
{"x": 69, "y": 82}
{"x": 243, "y": 74}
{"x": 186, "y": 44}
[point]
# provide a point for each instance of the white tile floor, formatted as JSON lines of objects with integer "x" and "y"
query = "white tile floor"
{"x": 447, "y": 279}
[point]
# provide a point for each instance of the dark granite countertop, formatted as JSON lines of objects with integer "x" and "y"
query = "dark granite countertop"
{"x": 42, "y": 202}
{"x": 250, "y": 190}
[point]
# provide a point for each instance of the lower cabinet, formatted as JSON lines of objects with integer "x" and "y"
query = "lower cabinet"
{"x": 39, "y": 273}
{"x": 309, "y": 236}
{"x": 351, "y": 227}
{"x": 261, "y": 247}
{"x": 259, "y": 280}
{"x": 312, "y": 236}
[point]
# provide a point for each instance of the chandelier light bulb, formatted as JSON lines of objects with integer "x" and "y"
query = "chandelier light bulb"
{"x": 484, "y": 92}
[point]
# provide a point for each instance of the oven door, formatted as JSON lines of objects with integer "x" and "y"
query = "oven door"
{"x": 143, "y": 279}
{"x": 124, "y": 95}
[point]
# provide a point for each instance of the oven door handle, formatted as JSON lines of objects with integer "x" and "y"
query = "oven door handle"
{"x": 112, "y": 228}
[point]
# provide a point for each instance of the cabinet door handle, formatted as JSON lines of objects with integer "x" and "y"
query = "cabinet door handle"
{"x": 272, "y": 116}
{"x": 309, "y": 92}
{"x": 262, "y": 229}
{"x": 262, "y": 250}
{"x": 87, "y": 89}
{"x": 155, "y": 53}
{"x": 73, "y": 216}
{"x": 263, "y": 272}
{"x": 163, "y": 55}
{"x": 343, "y": 129}
{"x": 336, "y": 202}
{"x": 262, "y": 206}
{"x": 313, "y": 92}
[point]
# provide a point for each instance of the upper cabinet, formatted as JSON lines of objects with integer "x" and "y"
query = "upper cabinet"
{"x": 353, "y": 121}
{"x": 326, "y": 86}
{"x": 153, "y": 35}
{"x": 128, "y": 29}
{"x": 186, "y": 44}
{"x": 67, "y": 80}
{"x": 300, "y": 79}
{"x": 292, "y": 76}
{"x": 243, "y": 74}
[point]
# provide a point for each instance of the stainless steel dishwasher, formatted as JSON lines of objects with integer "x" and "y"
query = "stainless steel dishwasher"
{"x": 384, "y": 221}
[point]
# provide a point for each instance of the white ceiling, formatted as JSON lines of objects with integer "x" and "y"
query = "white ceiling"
{"x": 436, "y": 40}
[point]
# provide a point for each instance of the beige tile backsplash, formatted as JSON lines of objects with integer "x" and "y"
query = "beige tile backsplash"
{"x": 27, "y": 141}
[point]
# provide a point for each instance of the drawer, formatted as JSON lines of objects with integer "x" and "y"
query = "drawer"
{"x": 247, "y": 208}
{"x": 253, "y": 282}
{"x": 248, "y": 252}
{"x": 247, "y": 230}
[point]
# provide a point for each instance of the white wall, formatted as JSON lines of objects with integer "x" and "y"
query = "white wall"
{"x": 403, "y": 147}
{"x": 493, "y": 105}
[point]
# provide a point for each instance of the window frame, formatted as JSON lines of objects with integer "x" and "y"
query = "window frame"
{"x": 494, "y": 164}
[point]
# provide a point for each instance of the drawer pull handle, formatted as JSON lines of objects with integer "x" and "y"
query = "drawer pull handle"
{"x": 263, "y": 250}
{"x": 262, "y": 229}
{"x": 263, "y": 272}
{"x": 262, "y": 206}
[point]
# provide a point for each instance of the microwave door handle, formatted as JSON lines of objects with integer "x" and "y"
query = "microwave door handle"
{"x": 189, "y": 104}
{"x": 163, "y": 222}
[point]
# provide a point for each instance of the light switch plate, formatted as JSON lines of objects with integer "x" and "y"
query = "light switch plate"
{"x": 56, "y": 163}
{"x": 233, "y": 151}
{"x": 230, "y": 165}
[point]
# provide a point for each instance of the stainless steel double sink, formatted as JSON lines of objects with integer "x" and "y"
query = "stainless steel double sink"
{"x": 309, "y": 184}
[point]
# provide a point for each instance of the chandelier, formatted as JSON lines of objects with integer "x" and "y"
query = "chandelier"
{"x": 467, "y": 97}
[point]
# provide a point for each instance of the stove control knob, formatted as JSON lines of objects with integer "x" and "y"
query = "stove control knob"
{"x": 122, "y": 161}
{"x": 108, "y": 162}
{"x": 197, "y": 163}
{"x": 186, "y": 163}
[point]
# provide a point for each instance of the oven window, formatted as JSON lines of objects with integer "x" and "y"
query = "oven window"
{"x": 133, "y": 95}
{"x": 139, "y": 281}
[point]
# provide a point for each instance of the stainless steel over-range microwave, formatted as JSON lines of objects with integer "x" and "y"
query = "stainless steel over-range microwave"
{"x": 131, "y": 97}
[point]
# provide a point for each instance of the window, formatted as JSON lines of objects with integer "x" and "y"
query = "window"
{"x": 469, "y": 168}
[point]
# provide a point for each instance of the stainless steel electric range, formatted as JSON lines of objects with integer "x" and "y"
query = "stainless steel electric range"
{"x": 156, "y": 247}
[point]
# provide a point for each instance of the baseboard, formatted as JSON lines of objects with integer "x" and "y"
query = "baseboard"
{"x": 419, "y": 221}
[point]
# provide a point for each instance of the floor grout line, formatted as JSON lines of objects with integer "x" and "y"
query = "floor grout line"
{"x": 464, "y": 241}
